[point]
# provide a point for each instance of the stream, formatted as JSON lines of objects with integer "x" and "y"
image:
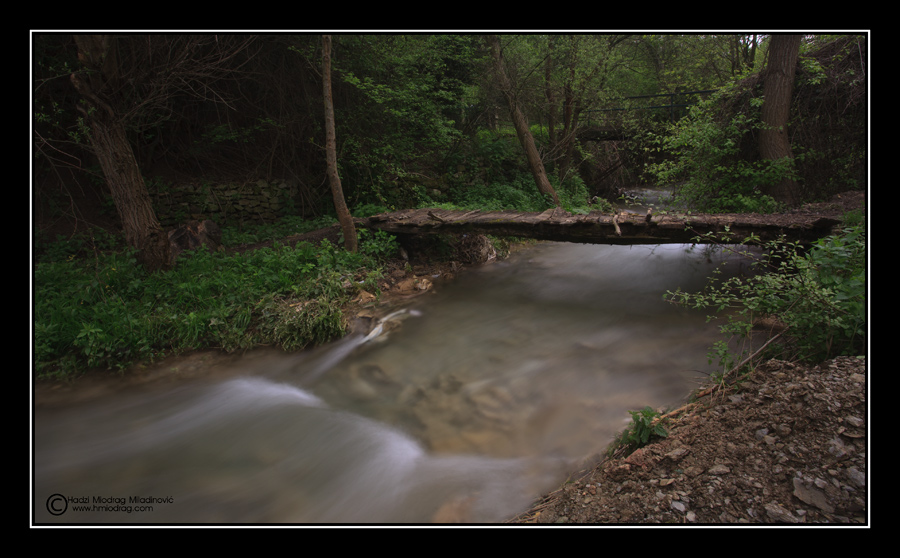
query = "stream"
{"x": 465, "y": 405}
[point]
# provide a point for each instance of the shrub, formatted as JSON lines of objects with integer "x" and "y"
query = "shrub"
{"x": 819, "y": 295}
{"x": 645, "y": 425}
{"x": 708, "y": 164}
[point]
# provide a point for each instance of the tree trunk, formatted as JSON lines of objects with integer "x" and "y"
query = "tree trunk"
{"x": 567, "y": 138}
{"x": 337, "y": 192}
{"x": 743, "y": 53}
{"x": 774, "y": 143}
{"x": 549, "y": 93}
{"x": 120, "y": 168}
{"x": 521, "y": 124}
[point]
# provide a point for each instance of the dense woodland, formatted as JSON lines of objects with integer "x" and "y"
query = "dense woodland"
{"x": 365, "y": 123}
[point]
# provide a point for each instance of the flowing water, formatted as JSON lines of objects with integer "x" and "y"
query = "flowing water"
{"x": 464, "y": 406}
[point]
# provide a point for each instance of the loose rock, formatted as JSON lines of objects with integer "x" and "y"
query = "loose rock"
{"x": 790, "y": 450}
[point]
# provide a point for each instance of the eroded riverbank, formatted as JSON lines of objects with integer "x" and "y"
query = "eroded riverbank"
{"x": 788, "y": 446}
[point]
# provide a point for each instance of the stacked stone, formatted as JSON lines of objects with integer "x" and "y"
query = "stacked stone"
{"x": 259, "y": 202}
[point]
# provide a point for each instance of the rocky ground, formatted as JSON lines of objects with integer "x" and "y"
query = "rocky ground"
{"x": 788, "y": 445}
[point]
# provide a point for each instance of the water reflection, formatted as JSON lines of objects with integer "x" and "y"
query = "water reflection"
{"x": 486, "y": 394}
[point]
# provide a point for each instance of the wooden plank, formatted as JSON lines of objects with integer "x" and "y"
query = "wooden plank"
{"x": 597, "y": 228}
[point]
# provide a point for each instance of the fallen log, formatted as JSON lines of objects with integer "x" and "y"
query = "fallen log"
{"x": 605, "y": 228}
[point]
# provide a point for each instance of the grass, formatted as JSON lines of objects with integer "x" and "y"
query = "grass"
{"x": 94, "y": 306}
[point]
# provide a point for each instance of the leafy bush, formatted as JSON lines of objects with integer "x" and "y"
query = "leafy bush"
{"x": 369, "y": 209}
{"x": 708, "y": 164}
{"x": 519, "y": 194}
{"x": 490, "y": 173}
{"x": 645, "y": 425}
{"x": 377, "y": 245}
{"x": 573, "y": 194}
{"x": 819, "y": 295}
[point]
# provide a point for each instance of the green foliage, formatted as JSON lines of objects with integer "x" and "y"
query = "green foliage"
{"x": 369, "y": 209}
{"x": 101, "y": 309}
{"x": 713, "y": 157}
{"x": 488, "y": 173}
{"x": 294, "y": 326}
{"x": 811, "y": 71}
{"x": 58, "y": 126}
{"x": 708, "y": 166}
{"x": 287, "y": 226}
{"x": 573, "y": 194}
{"x": 406, "y": 95}
{"x": 520, "y": 194}
{"x": 491, "y": 174}
{"x": 377, "y": 245}
{"x": 694, "y": 62}
{"x": 645, "y": 425}
{"x": 818, "y": 294}
{"x": 77, "y": 246}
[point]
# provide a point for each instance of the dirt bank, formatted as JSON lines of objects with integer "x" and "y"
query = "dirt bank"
{"x": 786, "y": 446}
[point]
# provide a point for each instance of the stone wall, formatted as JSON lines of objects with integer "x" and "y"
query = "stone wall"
{"x": 256, "y": 202}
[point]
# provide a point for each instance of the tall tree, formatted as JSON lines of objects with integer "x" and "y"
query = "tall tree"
{"x": 99, "y": 79}
{"x": 579, "y": 68}
{"x": 774, "y": 144}
{"x": 334, "y": 179}
{"x": 133, "y": 80}
{"x": 520, "y": 122}
{"x": 549, "y": 91}
{"x": 742, "y": 53}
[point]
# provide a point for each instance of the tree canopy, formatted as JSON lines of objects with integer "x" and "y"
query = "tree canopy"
{"x": 354, "y": 125}
{"x": 415, "y": 114}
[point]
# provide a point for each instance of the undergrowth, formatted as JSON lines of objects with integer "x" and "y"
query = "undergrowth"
{"x": 99, "y": 308}
{"x": 708, "y": 163}
{"x": 490, "y": 174}
{"x": 815, "y": 295}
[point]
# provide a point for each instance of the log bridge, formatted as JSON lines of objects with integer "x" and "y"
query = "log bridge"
{"x": 606, "y": 228}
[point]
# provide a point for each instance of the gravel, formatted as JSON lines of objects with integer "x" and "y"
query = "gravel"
{"x": 788, "y": 445}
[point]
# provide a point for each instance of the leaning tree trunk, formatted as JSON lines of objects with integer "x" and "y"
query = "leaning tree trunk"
{"x": 129, "y": 193}
{"x": 774, "y": 144}
{"x": 334, "y": 179}
{"x": 120, "y": 168}
{"x": 521, "y": 124}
